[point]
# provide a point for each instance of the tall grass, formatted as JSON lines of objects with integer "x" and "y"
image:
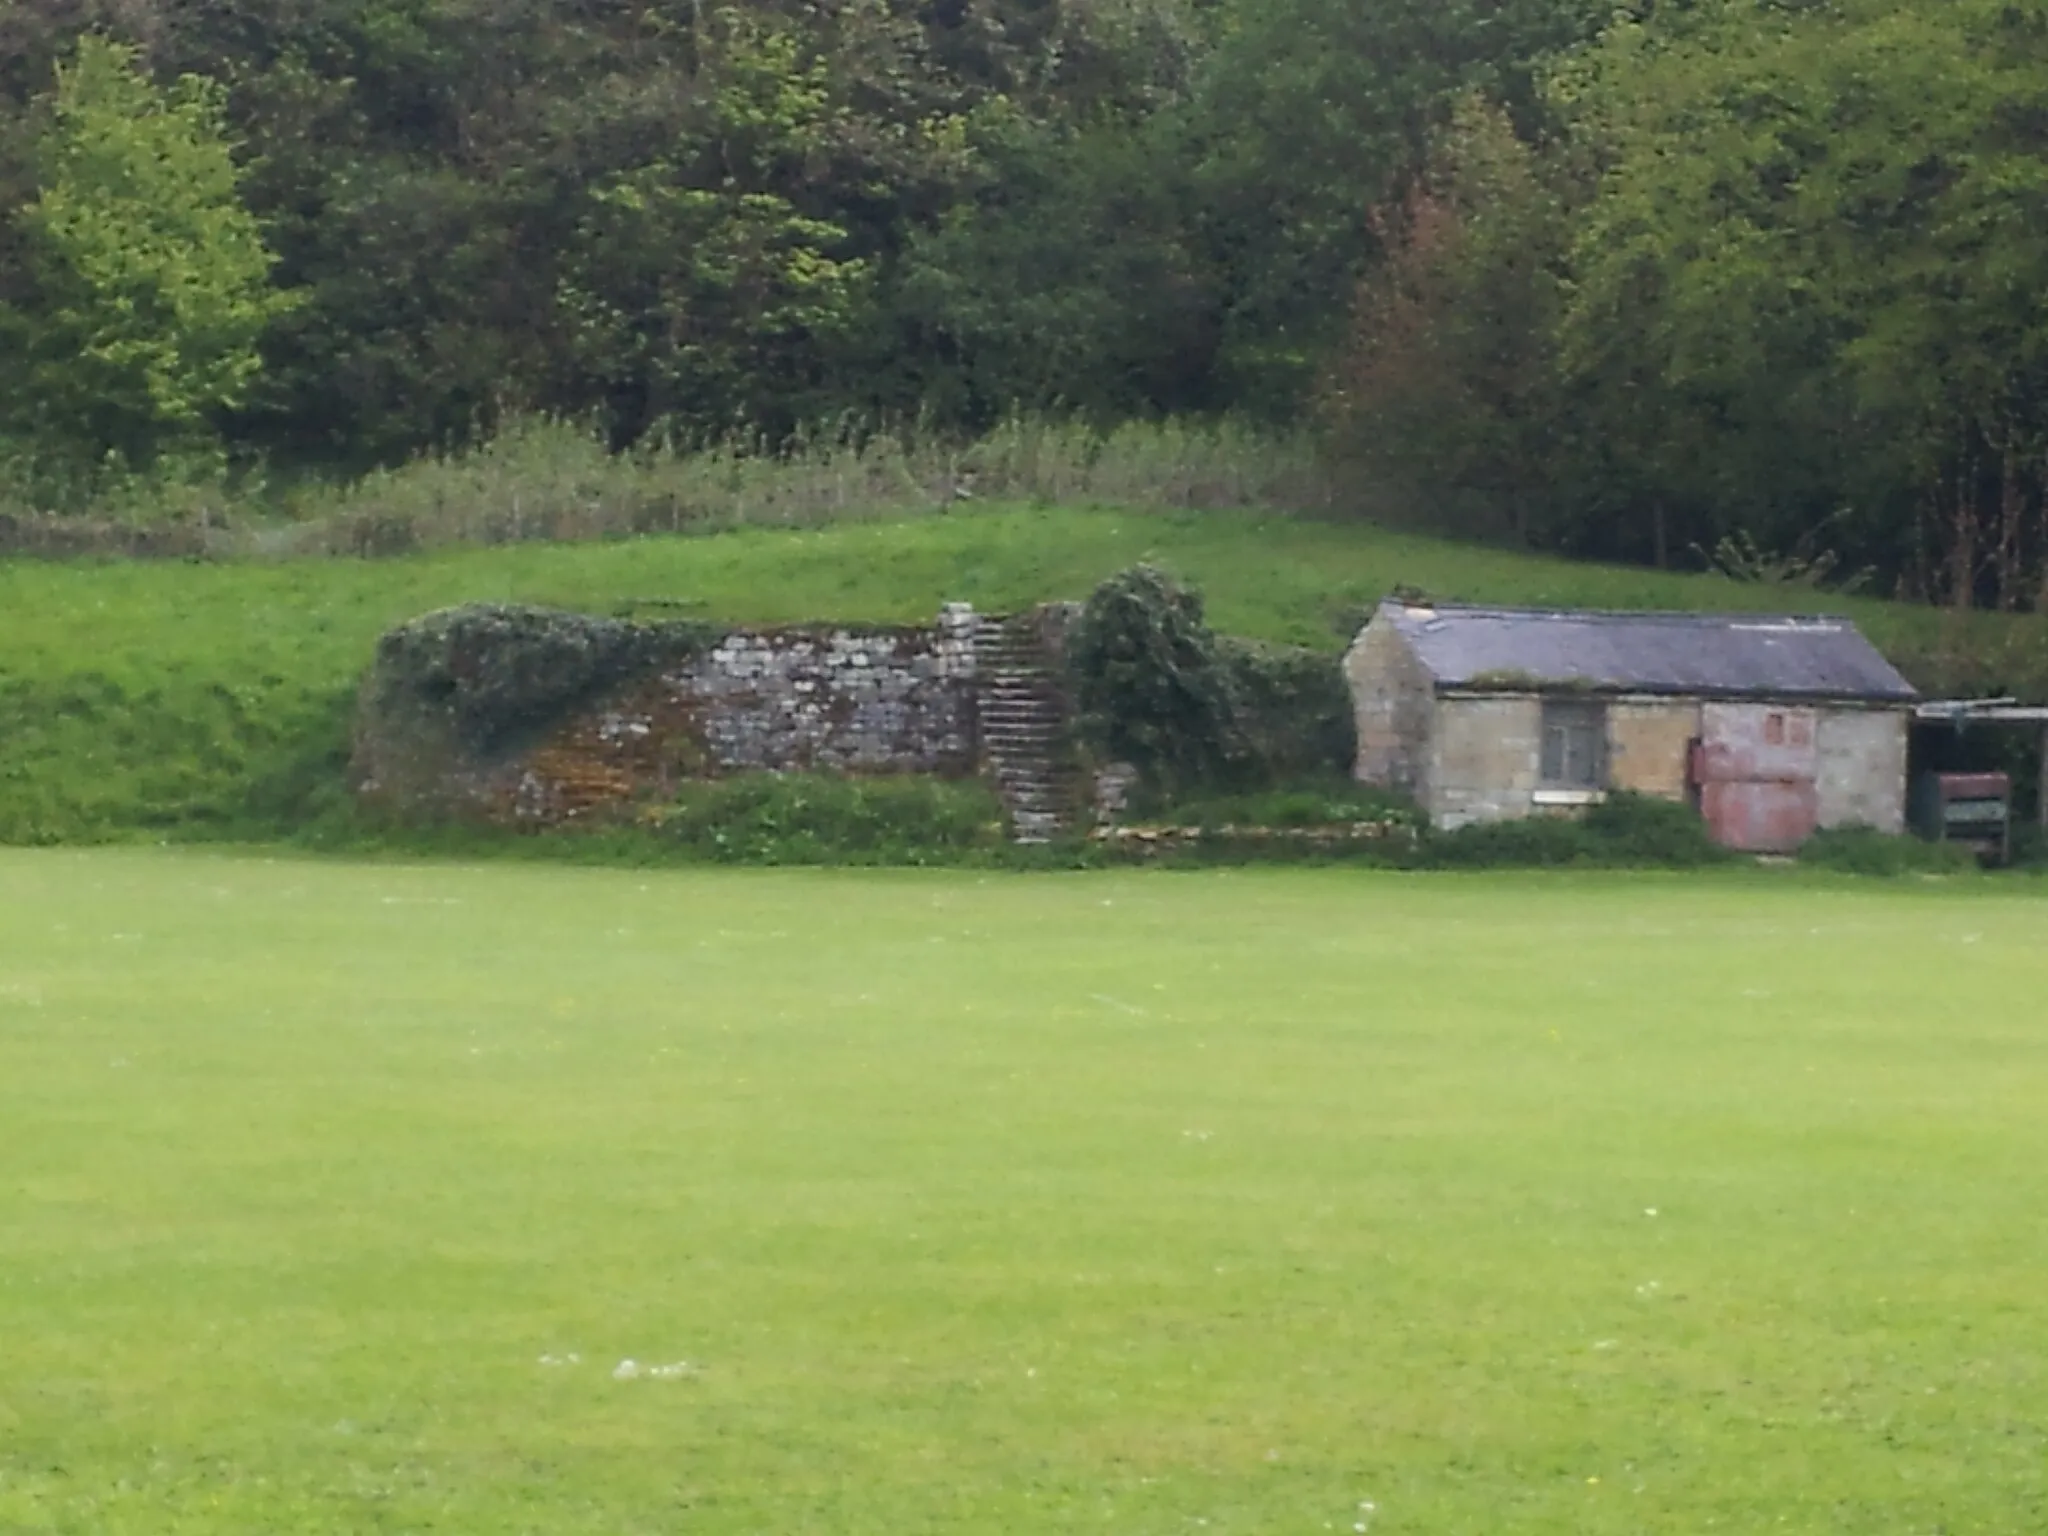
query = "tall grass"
{"x": 553, "y": 481}
{"x": 549, "y": 480}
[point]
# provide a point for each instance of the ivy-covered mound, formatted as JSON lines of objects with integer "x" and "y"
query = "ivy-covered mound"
{"x": 1192, "y": 710}
{"x": 456, "y": 691}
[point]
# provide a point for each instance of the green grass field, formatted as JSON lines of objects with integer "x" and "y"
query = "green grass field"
{"x": 172, "y": 699}
{"x": 332, "y": 1195}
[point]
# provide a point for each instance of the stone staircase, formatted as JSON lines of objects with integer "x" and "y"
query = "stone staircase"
{"x": 1023, "y": 723}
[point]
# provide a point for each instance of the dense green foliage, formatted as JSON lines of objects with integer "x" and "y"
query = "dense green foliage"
{"x": 1648, "y": 282}
{"x": 486, "y": 672}
{"x": 1330, "y": 800}
{"x": 1864, "y": 851}
{"x": 1155, "y": 687}
{"x": 813, "y": 818}
{"x": 699, "y": 218}
{"x": 1290, "y": 707}
{"x": 147, "y": 279}
{"x": 1147, "y": 686}
{"x": 1774, "y": 276}
{"x": 1623, "y": 832}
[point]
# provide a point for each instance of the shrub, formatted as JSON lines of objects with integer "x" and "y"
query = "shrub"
{"x": 1535, "y": 841}
{"x": 1647, "y": 829}
{"x": 1290, "y": 709}
{"x": 815, "y": 818}
{"x": 1867, "y": 851}
{"x": 1624, "y": 831}
{"x": 2029, "y": 845}
{"x": 1148, "y": 685}
{"x": 1190, "y": 709}
{"x": 1325, "y": 802}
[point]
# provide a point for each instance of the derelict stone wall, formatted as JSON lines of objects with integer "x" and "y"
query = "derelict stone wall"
{"x": 832, "y": 699}
{"x": 848, "y": 701}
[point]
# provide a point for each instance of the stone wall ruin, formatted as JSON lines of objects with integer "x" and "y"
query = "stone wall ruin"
{"x": 530, "y": 717}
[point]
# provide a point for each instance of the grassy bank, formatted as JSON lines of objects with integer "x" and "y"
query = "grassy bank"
{"x": 338, "y": 1194}
{"x": 176, "y": 699}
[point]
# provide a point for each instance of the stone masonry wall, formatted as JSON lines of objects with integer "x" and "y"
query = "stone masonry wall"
{"x": 1862, "y": 768}
{"x": 843, "y": 700}
{"x": 1394, "y": 705}
{"x": 1487, "y": 751}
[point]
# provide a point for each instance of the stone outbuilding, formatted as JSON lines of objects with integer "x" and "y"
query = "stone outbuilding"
{"x": 1772, "y": 727}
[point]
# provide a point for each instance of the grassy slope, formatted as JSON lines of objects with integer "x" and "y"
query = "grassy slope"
{"x": 172, "y": 695}
{"x": 1135, "y": 1203}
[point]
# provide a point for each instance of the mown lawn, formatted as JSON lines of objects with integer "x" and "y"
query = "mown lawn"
{"x": 332, "y": 1197}
{"x": 171, "y": 699}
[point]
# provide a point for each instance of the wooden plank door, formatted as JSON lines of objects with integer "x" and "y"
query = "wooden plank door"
{"x": 1757, "y": 770}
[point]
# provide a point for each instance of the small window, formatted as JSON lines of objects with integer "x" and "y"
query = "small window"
{"x": 1574, "y": 744}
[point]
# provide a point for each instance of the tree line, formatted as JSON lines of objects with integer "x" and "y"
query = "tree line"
{"x": 1749, "y": 281}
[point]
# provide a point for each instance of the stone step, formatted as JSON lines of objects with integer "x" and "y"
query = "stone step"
{"x": 1032, "y": 785}
{"x": 1033, "y": 753}
{"x": 1022, "y": 713}
{"x": 1049, "y": 788}
{"x": 1017, "y": 682}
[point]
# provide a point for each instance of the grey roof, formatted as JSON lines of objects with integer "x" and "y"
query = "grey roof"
{"x": 1722, "y": 655}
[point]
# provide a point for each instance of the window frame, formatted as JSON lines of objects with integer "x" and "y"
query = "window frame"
{"x": 1580, "y": 723}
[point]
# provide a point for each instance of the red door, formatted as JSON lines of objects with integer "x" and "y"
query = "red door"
{"x": 1756, "y": 768}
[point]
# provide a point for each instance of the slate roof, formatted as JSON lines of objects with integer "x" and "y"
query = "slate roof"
{"x": 1724, "y": 655}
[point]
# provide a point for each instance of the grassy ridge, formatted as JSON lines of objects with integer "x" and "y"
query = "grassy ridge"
{"x": 176, "y": 698}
